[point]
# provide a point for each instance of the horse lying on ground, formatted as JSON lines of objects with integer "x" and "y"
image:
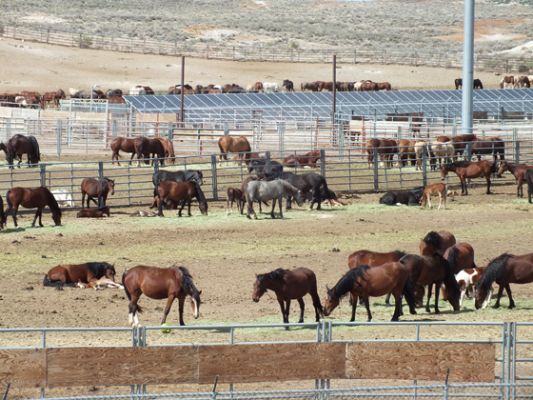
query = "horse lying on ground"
{"x": 93, "y": 212}
{"x": 71, "y": 274}
{"x": 410, "y": 197}
{"x": 102, "y": 283}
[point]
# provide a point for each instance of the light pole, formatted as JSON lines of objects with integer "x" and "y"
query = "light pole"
{"x": 468, "y": 67}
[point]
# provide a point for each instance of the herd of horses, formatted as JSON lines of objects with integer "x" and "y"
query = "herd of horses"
{"x": 442, "y": 263}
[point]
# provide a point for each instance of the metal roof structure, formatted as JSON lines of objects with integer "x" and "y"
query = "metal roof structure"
{"x": 305, "y": 105}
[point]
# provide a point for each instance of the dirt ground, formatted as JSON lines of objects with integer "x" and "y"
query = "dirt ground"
{"x": 66, "y": 67}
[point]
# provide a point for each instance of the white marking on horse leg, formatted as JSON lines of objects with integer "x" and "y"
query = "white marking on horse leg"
{"x": 130, "y": 318}
{"x": 136, "y": 320}
{"x": 196, "y": 311}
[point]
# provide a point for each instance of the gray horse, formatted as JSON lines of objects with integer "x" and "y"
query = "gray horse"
{"x": 270, "y": 190}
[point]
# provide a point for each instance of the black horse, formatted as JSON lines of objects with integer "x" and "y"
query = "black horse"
{"x": 266, "y": 168}
{"x": 313, "y": 187}
{"x": 529, "y": 180}
{"x": 162, "y": 175}
{"x": 288, "y": 85}
{"x": 410, "y": 197}
{"x": 476, "y": 83}
{"x": 18, "y": 145}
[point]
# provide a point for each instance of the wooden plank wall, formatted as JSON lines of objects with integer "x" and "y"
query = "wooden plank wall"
{"x": 64, "y": 367}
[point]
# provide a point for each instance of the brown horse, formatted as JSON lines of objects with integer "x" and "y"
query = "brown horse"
{"x": 53, "y": 97}
{"x": 160, "y": 283}
{"x": 235, "y": 195}
{"x": 122, "y": 143}
{"x": 436, "y": 243}
{"x": 169, "y": 149}
{"x": 372, "y": 146}
{"x": 492, "y": 145}
{"x": 460, "y": 256}
{"x": 461, "y": 141}
{"x": 92, "y": 188}
{"x": 289, "y": 285}
{"x": 32, "y": 198}
{"x": 72, "y": 274}
{"x": 229, "y": 144}
{"x": 93, "y": 212}
{"x": 18, "y": 145}
{"x": 180, "y": 192}
{"x": 503, "y": 270}
{"x": 429, "y": 271}
{"x": 406, "y": 152}
{"x": 308, "y": 159}
{"x": 469, "y": 169}
{"x": 518, "y": 171}
{"x": 146, "y": 147}
{"x": 2, "y": 215}
{"x": 363, "y": 281}
{"x": 386, "y": 150}
{"x": 383, "y": 86}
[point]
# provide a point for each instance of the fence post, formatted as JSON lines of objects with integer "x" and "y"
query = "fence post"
{"x": 323, "y": 162}
{"x": 101, "y": 183}
{"x": 424, "y": 169}
{"x": 214, "y": 184}
{"x": 516, "y": 146}
{"x": 468, "y": 151}
{"x": 58, "y": 137}
{"x": 376, "y": 170}
{"x": 281, "y": 137}
{"x": 42, "y": 174}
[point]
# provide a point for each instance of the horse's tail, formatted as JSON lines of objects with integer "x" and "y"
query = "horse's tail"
{"x": 316, "y": 298}
{"x": 36, "y": 153}
{"x": 409, "y": 294}
{"x": 48, "y": 282}
{"x": 324, "y": 185}
{"x": 128, "y": 295}
{"x": 452, "y": 257}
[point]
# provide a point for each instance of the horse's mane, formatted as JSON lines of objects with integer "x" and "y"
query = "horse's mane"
{"x": 36, "y": 153}
{"x": 449, "y": 279}
{"x": 433, "y": 239}
{"x": 188, "y": 284}
{"x": 98, "y": 268}
{"x": 199, "y": 193}
{"x": 52, "y": 202}
{"x": 344, "y": 284}
{"x": 494, "y": 271}
{"x": 278, "y": 273}
{"x": 457, "y": 164}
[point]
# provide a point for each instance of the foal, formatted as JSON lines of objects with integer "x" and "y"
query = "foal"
{"x": 235, "y": 195}
{"x": 434, "y": 189}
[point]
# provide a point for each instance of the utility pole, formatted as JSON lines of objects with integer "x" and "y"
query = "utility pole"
{"x": 468, "y": 67}
{"x": 334, "y": 105}
{"x": 182, "y": 95}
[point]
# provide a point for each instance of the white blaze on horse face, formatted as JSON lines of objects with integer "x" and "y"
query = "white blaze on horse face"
{"x": 195, "y": 308}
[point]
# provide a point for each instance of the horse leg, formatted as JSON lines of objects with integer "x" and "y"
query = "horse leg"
{"x": 430, "y": 288}
{"x": 287, "y": 309}
{"x": 82, "y": 198}
{"x": 181, "y": 303}
{"x": 387, "y": 299}
{"x": 500, "y": 292}
{"x": 280, "y": 205}
{"x": 302, "y": 308}
{"x": 511, "y": 301}
{"x": 273, "y": 207}
{"x": 189, "y": 207}
{"x": 464, "y": 187}
{"x": 170, "y": 300}
{"x": 397, "y": 307}
{"x": 282, "y": 307}
{"x": 437, "y": 293}
{"x": 354, "y": 299}
{"x": 160, "y": 207}
{"x": 288, "y": 202}
{"x": 14, "y": 211}
{"x": 133, "y": 310}
{"x": 40, "y": 217}
{"x": 367, "y": 306}
{"x": 488, "y": 183}
{"x": 181, "y": 208}
{"x": 35, "y": 218}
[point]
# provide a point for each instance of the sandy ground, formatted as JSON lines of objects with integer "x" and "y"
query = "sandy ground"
{"x": 41, "y": 67}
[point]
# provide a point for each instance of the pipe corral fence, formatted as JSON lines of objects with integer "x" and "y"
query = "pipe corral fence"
{"x": 330, "y": 359}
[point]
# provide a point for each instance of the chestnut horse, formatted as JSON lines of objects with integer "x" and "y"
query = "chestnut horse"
{"x": 364, "y": 282}
{"x": 460, "y": 256}
{"x": 160, "y": 283}
{"x": 122, "y": 143}
{"x": 308, "y": 159}
{"x": 93, "y": 212}
{"x": 503, "y": 270}
{"x": 289, "y": 285}
{"x": 180, "y": 192}
{"x": 31, "y": 198}
{"x": 18, "y": 145}
{"x": 92, "y": 188}
{"x": 469, "y": 169}
{"x": 229, "y": 144}
{"x": 436, "y": 243}
{"x": 431, "y": 271}
{"x": 72, "y": 274}
{"x": 169, "y": 149}
{"x": 518, "y": 171}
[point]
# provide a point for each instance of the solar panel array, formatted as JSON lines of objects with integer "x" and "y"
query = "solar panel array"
{"x": 305, "y": 105}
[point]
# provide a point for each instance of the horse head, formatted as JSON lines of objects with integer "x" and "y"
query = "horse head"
{"x": 298, "y": 197}
{"x": 443, "y": 172}
{"x": 332, "y": 301}
{"x": 259, "y": 287}
{"x": 109, "y": 271}
{"x": 502, "y": 168}
{"x": 111, "y": 185}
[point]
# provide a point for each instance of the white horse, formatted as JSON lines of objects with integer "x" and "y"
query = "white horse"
{"x": 270, "y": 87}
{"x": 357, "y": 86}
{"x": 63, "y": 197}
{"x": 443, "y": 151}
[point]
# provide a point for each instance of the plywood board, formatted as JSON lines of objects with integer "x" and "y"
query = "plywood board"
{"x": 22, "y": 368}
{"x": 468, "y": 362}
{"x": 271, "y": 362}
{"x": 122, "y": 366}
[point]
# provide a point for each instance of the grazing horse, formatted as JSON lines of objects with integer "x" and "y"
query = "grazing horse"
{"x": 507, "y": 81}
{"x": 434, "y": 270}
{"x": 409, "y": 197}
{"x": 529, "y": 180}
{"x": 383, "y": 86}
{"x": 31, "y": 198}
{"x": 309, "y": 184}
{"x": 93, "y": 212}
{"x": 192, "y": 175}
{"x": 92, "y": 188}
{"x": 438, "y": 189}
{"x": 522, "y": 81}
{"x": 460, "y": 256}
{"x": 72, "y": 274}
{"x": 270, "y": 190}
{"x": 312, "y": 86}
{"x": 469, "y": 169}
{"x": 436, "y": 243}
{"x": 235, "y": 195}
{"x": 477, "y": 84}
{"x": 229, "y": 144}
{"x": 518, "y": 171}
{"x": 160, "y": 283}
{"x": 180, "y": 192}
{"x": 503, "y": 270}
{"x": 18, "y": 145}
{"x": 169, "y": 149}
{"x": 288, "y": 85}
{"x": 122, "y": 143}
{"x": 289, "y": 285}
{"x": 145, "y": 147}
{"x": 363, "y": 282}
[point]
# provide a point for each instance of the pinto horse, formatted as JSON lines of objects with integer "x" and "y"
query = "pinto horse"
{"x": 431, "y": 271}
{"x": 125, "y": 144}
{"x": 229, "y": 144}
{"x": 363, "y": 281}
{"x": 31, "y": 198}
{"x": 436, "y": 243}
{"x": 160, "y": 283}
{"x": 100, "y": 189}
{"x": 469, "y": 169}
{"x": 18, "y": 145}
{"x": 503, "y": 270}
{"x": 518, "y": 171}
{"x": 180, "y": 192}
{"x": 289, "y": 285}
{"x": 72, "y": 274}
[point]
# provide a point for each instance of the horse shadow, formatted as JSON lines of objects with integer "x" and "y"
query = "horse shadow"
{"x": 17, "y": 229}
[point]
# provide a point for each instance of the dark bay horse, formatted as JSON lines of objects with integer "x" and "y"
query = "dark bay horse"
{"x": 469, "y": 169}
{"x": 229, "y": 144}
{"x": 529, "y": 181}
{"x": 146, "y": 147}
{"x": 270, "y": 190}
{"x": 289, "y": 285}
{"x": 99, "y": 188}
{"x": 409, "y": 197}
{"x": 312, "y": 186}
{"x": 71, "y": 274}
{"x": 180, "y": 193}
{"x": 265, "y": 168}
{"x": 32, "y": 198}
{"x": 460, "y": 256}
{"x": 122, "y": 143}
{"x": 518, "y": 171}
{"x": 18, "y": 145}
{"x": 175, "y": 176}
{"x": 461, "y": 141}
{"x": 503, "y": 270}
{"x": 364, "y": 282}
{"x": 431, "y": 271}
{"x": 93, "y": 212}
{"x": 493, "y": 146}
{"x": 436, "y": 242}
{"x": 160, "y": 283}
